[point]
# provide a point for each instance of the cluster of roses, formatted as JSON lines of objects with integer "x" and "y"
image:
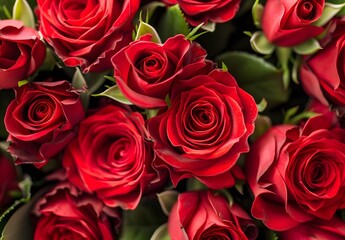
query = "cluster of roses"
{"x": 184, "y": 118}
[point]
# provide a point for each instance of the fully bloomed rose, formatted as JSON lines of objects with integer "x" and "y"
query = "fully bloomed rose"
{"x": 87, "y": 33}
{"x": 200, "y": 11}
{"x": 9, "y": 181}
{"x": 290, "y": 22}
{"x": 42, "y": 120}
{"x": 112, "y": 157}
{"x": 333, "y": 229}
{"x": 322, "y": 74}
{"x": 204, "y": 215}
{"x": 204, "y": 131}
{"x": 67, "y": 213}
{"x": 21, "y": 52}
{"x": 144, "y": 70}
{"x": 297, "y": 173}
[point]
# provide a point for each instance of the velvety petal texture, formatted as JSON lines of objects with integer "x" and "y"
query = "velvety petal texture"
{"x": 145, "y": 71}
{"x": 112, "y": 157}
{"x": 290, "y": 22}
{"x": 204, "y": 216}
{"x": 87, "y": 33}
{"x": 42, "y": 120}
{"x": 21, "y": 52}
{"x": 204, "y": 131}
{"x": 297, "y": 173}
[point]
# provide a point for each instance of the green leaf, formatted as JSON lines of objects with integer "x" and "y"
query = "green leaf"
{"x": 330, "y": 10}
{"x": 161, "y": 233}
{"x": 145, "y": 28}
{"x": 172, "y": 23}
{"x": 209, "y": 27}
{"x": 256, "y": 76}
{"x": 260, "y": 43}
{"x": 224, "y": 67}
{"x": 262, "y": 105}
{"x": 193, "y": 32}
{"x": 308, "y": 47}
{"x": 141, "y": 223}
{"x": 284, "y": 55}
{"x": 79, "y": 83}
{"x": 22, "y": 82}
{"x": 23, "y": 12}
{"x": 151, "y": 113}
{"x": 262, "y": 124}
{"x": 257, "y": 12}
{"x": 167, "y": 200}
{"x": 114, "y": 93}
{"x": 194, "y": 184}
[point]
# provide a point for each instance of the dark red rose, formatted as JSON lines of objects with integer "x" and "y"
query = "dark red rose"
{"x": 201, "y": 11}
{"x": 112, "y": 157}
{"x": 322, "y": 74}
{"x": 144, "y": 70}
{"x": 42, "y": 120}
{"x": 21, "y": 52}
{"x": 8, "y": 180}
{"x": 290, "y": 22}
{"x": 297, "y": 173}
{"x": 204, "y": 131}
{"x": 87, "y": 33}
{"x": 67, "y": 213}
{"x": 204, "y": 215}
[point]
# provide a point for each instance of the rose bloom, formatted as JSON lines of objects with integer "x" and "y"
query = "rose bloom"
{"x": 87, "y": 33}
{"x": 42, "y": 120}
{"x": 297, "y": 173}
{"x": 8, "y": 180}
{"x": 144, "y": 70}
{"x": 199, "y": 11}
{"x": 322, "y": 74}
{"x": 66, "y": 213}
{"x": 333, "y": 229}
{"x": 112, "y": 157}
{"x": 204, "y": 215}
{"x": 204, "y": 131}
{"x": 290, "y": 22}
{"x": 21, "y": 52}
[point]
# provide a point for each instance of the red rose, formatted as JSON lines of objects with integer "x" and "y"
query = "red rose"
{"x": 204, "y": 131}
{"x": 112, "y": 157}
{"x": 8, "y": 180}
{"x": 322, "y": 74}
{"x": 66, "y": 213}
{"x": 297, "y": 173}
{"x": 289, "y": 22}
{"x": 87, "y": 33}
{"x": 21, "y": 52}
{"x": 144, "y": 70}
{"x": 333, "y": 229}
{"x": 200, "y": 11}
{"x": 41, "y": 120}
{"x": 203, "y": 215}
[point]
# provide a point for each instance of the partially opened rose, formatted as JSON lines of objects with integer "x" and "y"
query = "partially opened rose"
{"x": 21, "y": 52}
{"x": 67, "y": 213}
{"x": 204, "y": 131}
{"x": 204, "y": 215}
{"x": 87, "y": 33}
{"x": 111, "y": 157}
{"x": 290, "y": 22}
{"x": 42, "y": 120}
{"x": 297, "y": 173}
{"x": 145, "y": 71}
{"x": 199, "y": 11}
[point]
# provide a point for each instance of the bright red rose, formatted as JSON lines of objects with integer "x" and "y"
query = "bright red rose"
{"x": 67, "y": 213}
{"x": 322, "y": 74}
{"x": 290, "y": 22}
{"x": 204, "y": 131}
{"x": 297, "y": 173}
{"x": 8, "y": 180}
{"x": 21, "y": 52}
{"x": 42, "y": 120}
{"x": 201, "y": 11}
{"x": 112, "y": 157}
{"x": 87, "y": 33}
{"x": 144, "y": 70}
{"x": 333, "y": 229}
{"x": 204, "y": 215}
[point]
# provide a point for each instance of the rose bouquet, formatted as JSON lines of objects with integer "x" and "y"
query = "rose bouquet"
{"x": 172, "y": 119}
